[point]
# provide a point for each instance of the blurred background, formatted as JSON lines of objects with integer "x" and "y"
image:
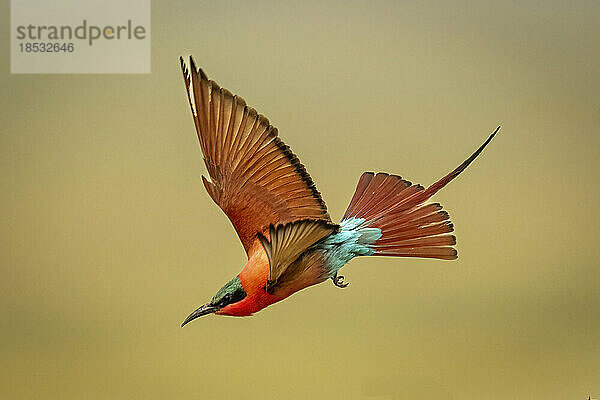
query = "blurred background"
{"x": 108, "y": 239}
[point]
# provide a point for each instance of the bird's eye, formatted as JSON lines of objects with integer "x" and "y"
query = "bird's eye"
{"x": 227, "y": 298}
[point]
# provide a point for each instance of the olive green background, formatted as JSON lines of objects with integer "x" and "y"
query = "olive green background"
{"x": 108, "y": 239}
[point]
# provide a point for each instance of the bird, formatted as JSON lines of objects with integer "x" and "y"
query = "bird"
{"x": 280, "y": 217}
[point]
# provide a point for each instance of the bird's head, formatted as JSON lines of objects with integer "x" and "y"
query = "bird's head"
{"x": 232, "y": 294}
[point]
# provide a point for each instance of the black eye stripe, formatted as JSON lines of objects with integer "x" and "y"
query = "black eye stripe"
{"x": 234, "y": 297}
{"x": 231, "y": 292}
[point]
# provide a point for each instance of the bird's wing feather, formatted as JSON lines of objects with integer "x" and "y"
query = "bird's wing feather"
{"x": 287, "y": 242}
{"x": 255, "y": 178}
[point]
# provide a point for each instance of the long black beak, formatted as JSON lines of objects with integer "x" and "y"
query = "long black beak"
{"x": 203, "y": 310}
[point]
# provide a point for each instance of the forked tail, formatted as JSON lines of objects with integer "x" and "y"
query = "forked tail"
{"x": 395, "y": 206}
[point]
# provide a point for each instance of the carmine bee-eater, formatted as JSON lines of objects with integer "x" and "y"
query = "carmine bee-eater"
{"x": 279, "y": 216}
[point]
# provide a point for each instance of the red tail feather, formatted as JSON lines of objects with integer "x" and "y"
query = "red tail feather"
{"x": 408, "y": 228}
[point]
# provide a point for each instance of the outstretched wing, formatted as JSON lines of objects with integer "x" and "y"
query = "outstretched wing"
{"x": 255, "y": 178}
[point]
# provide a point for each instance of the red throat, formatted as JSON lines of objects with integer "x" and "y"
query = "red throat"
{"x": 253, "y": 278}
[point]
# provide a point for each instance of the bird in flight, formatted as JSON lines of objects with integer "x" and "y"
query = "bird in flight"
{"x": 280, "y": 217}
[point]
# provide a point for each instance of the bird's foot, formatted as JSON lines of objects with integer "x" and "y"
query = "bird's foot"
{"x": 338, "y": 280}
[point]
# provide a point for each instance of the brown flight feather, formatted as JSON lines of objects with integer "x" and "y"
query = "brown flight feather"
{"x": 255, "y": 178}
{"x": 286, "y": 243}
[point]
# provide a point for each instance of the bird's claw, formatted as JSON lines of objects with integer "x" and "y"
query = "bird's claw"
{"x": 338, "y": 280}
